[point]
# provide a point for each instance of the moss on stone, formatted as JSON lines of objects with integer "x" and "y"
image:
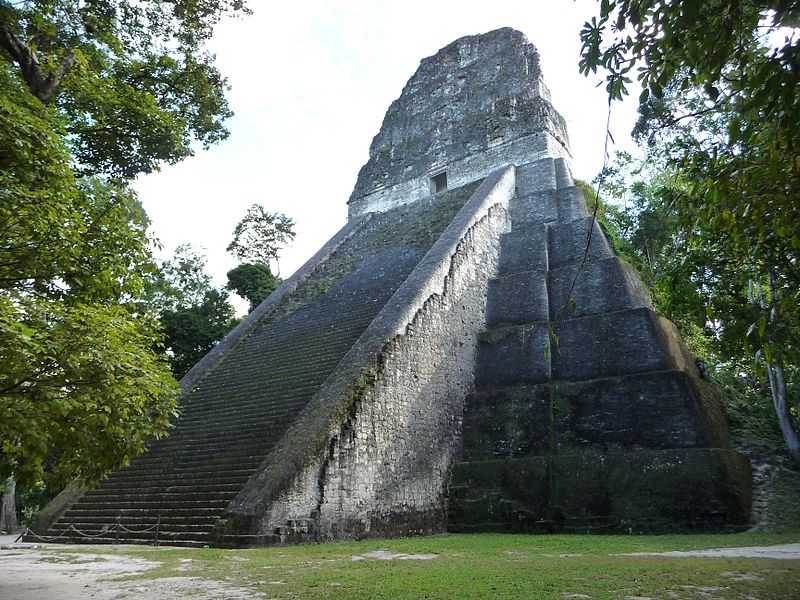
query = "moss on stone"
{"x": 704, "y": 489}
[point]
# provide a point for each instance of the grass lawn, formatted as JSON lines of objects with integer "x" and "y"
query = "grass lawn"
{"x": 494, "y": 566}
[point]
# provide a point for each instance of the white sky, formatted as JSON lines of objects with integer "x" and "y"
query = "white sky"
{"x": 311, "y": 82}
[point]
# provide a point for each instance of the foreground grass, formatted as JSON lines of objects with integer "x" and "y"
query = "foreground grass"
{"x": 495, "y": 566}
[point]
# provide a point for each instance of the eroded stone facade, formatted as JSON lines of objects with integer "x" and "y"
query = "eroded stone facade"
{"x": 467, "y": 353}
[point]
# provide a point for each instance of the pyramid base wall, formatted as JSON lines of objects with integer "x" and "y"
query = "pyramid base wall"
{"x": 644, "y": 491}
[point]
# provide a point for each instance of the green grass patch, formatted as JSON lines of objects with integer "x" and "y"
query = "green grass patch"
{"x": 494, "y": 566}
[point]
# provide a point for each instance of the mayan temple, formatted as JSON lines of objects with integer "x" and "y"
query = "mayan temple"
{"x": 407, "y": 378}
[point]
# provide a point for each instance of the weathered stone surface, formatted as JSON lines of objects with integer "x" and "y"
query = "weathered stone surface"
{"x": 650, "y": 410}
{"x": 571, "y": 204}
{"x": 477, "y": 105}
{"x": 646, "y": 491}
{"x": 535, "y": 176}
{"x": 568, "y": 243}
{"x": 601, "y": 286}
{"x": 524, "y": 250}
{"x": 517, "y": 299}
{"x": 617, "y": 343}
{"x": 508, "y": 422}
{"x": 563, "y": 174}
{"x": 534, "y": 209}
{"x": 513, "y": 354}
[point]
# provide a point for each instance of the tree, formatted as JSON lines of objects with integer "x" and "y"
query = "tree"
{"x": 721, "y": 103}
{"x": 8, "y": 509}
{"x": 252, "y": 281}
{"x": 130, "y": 80}
{"x": 260, "y": 235}
{"x": 92, "y": 93}
{"x": 195, "y": 316}
{"x": 80, "y": 389}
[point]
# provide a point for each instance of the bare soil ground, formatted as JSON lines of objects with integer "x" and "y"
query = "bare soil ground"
{"x": 42, "y": 572}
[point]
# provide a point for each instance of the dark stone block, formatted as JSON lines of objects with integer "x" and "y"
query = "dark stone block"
{"x": 506, "y": 423}
{"x": 601, "y": 286}
{"x": 498, "y": 495}
{"x": 568, "y": 243}
{"x": 536, "y": 177}
{"x": 534, "y": 209}
{"x": 571, "y": 205}
{"x": 523, "y": 250}
{"x": 563, "y": 176}
{"x": 651, "y": 410}
{"x": 647, "y": 491}
{"x": 517, "y": 299}
{"x": 509, "y": 355}
{"x": 613, "y": 344}
{"x": 653, "y": 491}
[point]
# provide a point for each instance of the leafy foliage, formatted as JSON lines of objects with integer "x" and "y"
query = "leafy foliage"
{"x": 80, "y": 389}
{"x": 195, "y": 316}
{"x": 720, "y": 107}
{"x": 130, "y": 80}
{"x": 260, "y": 235}
{"x": 92, "y": 93}
{"x": 252, "y": 281}
{"x": 695, "y": 278}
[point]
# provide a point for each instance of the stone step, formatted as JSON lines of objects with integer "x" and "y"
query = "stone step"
{"x": 134, "y": 527}
{"x": 246, "y": 412}
{"x": 133, "y": 521}
{"x": 247, "y": 450}
{"x": 111, "y": 490}
{"x": 184, "y": 477}
{"x": 567, "y": 243}
{"x": 523, "y": 250}
{"x": 126, "y": 537}
{"x": 601, "y": 286}
{"x": 110, "y": 538}
{"x": 513, "y": 354}
{"x": 189, "y": 472}
{"x": 225, "y": 388}
{"x": 230, "y": 434}
{"x": 517, "y": 299}
{"x": 122, "y": 503}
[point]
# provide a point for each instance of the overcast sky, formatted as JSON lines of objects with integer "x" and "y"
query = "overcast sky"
{"x": 310, "y": 84}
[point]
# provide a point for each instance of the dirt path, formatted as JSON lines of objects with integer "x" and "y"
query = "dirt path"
{"x": 34, "y": 572}
{"x": 781, "y": 552}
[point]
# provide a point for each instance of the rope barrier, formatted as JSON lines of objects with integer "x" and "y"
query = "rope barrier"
{"x": 107, "y": 529}
{"x": 44, "y": 538}
{"x": 125, "y": 529}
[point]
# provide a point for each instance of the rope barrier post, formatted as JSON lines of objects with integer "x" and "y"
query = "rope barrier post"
{"x": 22, "y": 535}
{"x": 116, "y": 539}
{"x": 158, "y": 526}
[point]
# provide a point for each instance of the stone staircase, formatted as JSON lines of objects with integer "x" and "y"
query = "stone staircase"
{"x": 230, "y": 420}
{"x": 585, "y": 401}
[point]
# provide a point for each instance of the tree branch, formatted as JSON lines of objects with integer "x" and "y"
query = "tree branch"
{"x": 44, "y": 87}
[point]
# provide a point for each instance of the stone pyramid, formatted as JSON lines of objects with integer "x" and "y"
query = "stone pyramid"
{"x": 407, "y": 380}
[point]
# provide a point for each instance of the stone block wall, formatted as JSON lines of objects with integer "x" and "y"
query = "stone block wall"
{"x": 588, "y": 413}
{"x": 477, "y": 105}
{"x": 371, "y": 454}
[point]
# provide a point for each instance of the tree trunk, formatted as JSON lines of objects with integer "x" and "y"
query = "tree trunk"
{"x": 775, "y": 378}
{"x": 8, "y": 507}
{"x": 44, "y": 86}
{"x": 777, "y": 386}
